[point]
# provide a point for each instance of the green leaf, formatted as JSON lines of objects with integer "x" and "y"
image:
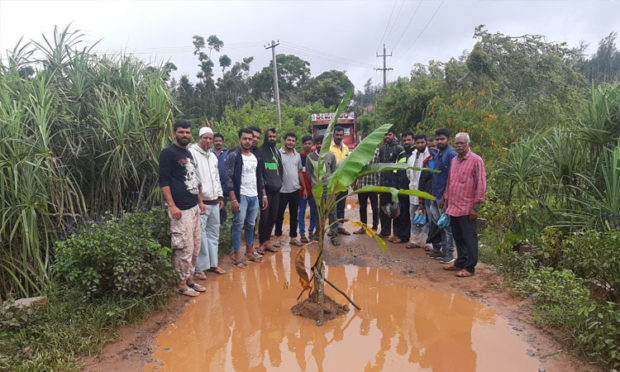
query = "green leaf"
{"x": 384, "y": 167}
{"x": 349, "y": 169}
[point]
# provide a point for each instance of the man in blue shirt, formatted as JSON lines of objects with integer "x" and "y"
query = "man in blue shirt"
{"x": 222, "y": 153}
{"x": 442, "y": 157}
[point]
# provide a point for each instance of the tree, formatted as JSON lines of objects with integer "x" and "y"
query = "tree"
{"x": 293, "y": 73}
{"x": 604, "y": 66}
{"x": 224, "y": 62}
{"x": 329, "y": 88}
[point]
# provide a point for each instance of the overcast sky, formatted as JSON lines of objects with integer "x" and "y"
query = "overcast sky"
{"x": 342, "y": 35}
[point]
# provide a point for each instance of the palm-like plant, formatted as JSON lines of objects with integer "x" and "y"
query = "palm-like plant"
{"x": 349, "y": 170}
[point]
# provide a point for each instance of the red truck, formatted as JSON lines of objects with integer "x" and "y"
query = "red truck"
{"x": 347, "y": 120}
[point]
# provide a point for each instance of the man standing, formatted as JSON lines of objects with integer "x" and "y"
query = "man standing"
{"x": 181, "y": 188}
{"x": 416, "y": 159}
{"x": 442, "y": 158}
{"x": 329, "y": 162}
{"x": 340, "y": 151}
{"x": 221, "y": 152}
{"x": 465, "y": 192}
{"x": 306, "y": 198}
{"x": 213, "y": 198}
{"x": 272, "y": 171}
{"x": 389, "y": 152}
{"x": 292, "y": 182}
{"x": 244, "y": 185}
{"x": 372, "y": 197}
{"x": 256, "y": 132}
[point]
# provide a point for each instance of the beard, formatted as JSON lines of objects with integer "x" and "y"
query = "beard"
{"x": 182, "y": 141}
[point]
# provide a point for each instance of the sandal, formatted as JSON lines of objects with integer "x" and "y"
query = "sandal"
{"x": 259, "y": 252}
{"x": 452, "y": 268}
{"x": 396, "y": 240}
{"x": 272, "y": 249}
{"x": 410, "y": 246}
{"x": 217, "y": 270}
{"x": 197, "y": 287}
{"x": 240, "y": 264}
{"x": 200, "y": 275}
{"x": 189, "y": 292}
{"x": 255, "y": 259}
{"x": 464, "y": 274}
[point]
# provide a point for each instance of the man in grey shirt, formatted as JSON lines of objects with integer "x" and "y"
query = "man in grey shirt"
{"x": 292, "y": 182}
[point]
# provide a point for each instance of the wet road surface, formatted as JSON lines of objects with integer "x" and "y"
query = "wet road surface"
{"x": 243, "y": 323}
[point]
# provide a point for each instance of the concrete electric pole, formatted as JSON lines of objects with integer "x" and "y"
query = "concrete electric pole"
{"x": 384, "y": 69}
{"x": 272, "y": 46}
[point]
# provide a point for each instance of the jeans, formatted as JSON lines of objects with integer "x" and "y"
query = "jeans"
{"x": 210, "y": 236}
{"x": 373, "y": 197}
{"x": 292, "y": 200}
{"x": 386, "y": 221}
{"x": 466, "y": 239}
{"x": 447, "y": 241}
{"x": 302, "y": 214}
{"x": 402, "y": 223}
{"x": 246, "y": 220}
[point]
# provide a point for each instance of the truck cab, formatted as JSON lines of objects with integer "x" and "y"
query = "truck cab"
{"x": 346, "y": 120}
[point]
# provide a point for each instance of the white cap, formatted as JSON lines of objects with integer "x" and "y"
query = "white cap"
{"x": 204, "y": 130}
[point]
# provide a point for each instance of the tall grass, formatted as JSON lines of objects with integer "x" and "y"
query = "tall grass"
{"x": 79, "y": 134}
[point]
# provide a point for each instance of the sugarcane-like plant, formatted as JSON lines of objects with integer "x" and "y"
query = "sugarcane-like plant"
{"x": 326, "y": 194}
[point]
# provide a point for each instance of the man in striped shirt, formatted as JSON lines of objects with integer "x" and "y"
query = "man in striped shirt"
{"x": 464, "y": 193}
{"x": 372, "y": 197}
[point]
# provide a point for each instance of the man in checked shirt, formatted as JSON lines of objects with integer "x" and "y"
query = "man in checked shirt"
{"x": 461, "y": 201}
{"x": 372, "y": 197}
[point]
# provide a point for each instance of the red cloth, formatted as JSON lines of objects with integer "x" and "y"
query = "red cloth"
{"x": 467, "y": 184}
{"x": 305, "y": 175}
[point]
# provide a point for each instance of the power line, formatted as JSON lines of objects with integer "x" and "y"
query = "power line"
{"x": 387, "y": 24}
{"x": 408, "y": 24}
{"x": 395, "y": 20}
{"x": 322, "y": 54}
{"x": 423, "y": 29}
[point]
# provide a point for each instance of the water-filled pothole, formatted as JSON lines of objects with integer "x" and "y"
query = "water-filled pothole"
{"x": 243, "y": 323}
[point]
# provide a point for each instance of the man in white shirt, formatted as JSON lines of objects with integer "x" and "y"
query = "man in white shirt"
{"x": 416, "y": 159}
{"x": 213, "y": 199}
{"x": 244, "y": 185}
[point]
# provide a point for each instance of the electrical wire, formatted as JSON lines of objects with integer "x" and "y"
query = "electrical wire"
{"x": 423, "y": 30}
{"x": 387, "y": 24}
{"x": 408, "y": 24}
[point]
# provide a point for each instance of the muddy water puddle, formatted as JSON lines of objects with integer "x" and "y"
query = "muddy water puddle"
{"x": 244, "y": 323}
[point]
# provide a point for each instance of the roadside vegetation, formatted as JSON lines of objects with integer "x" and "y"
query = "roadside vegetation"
{"x": 80, "y": 134}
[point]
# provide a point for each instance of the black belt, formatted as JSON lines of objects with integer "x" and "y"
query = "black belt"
{"x": 211, "y": 202}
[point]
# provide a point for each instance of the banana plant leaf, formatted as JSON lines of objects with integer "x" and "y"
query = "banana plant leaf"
{"x": 384, "y": 167}
{"x": 395, "y": 192}
{"x": 348, "y": 171}
{"x": 372, "y": 233}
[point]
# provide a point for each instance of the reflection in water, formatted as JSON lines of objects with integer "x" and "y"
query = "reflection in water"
{"x": 244, "y": 323}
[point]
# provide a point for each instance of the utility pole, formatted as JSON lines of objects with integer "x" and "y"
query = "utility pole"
{"x": 273, "y": 46}
{"x": 384, "y": 69}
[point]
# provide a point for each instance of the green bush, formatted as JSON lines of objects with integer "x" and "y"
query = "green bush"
{"x": 116, "y": 256}
{"x": 594, "y": 256}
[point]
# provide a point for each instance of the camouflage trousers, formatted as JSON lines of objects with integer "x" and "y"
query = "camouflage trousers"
{"x": 185, "y": 242}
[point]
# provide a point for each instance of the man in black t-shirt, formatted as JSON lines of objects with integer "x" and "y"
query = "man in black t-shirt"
{"x": 180, "y": 186}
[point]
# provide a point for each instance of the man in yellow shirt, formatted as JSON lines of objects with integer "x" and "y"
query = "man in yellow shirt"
{"x": 340, "y": 151}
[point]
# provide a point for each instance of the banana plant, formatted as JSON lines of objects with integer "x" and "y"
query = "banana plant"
{"x": 348, "y": 171}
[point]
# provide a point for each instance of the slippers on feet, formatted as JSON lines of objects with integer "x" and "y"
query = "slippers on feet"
{"x": 217, "y": 270}
{"x": 200, "y": 275}
{"x": 240, "y": 264}
{"x": 452, "y": 268}
{"x": 187, "y": 292}
{"x": 464, "y": 274}
{"x": 272, "y": 249}
{"x": 197, "y": 287}
{"x": 255, "y": 259}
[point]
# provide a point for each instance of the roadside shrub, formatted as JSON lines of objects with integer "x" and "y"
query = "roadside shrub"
{"x": 594, "y": 256}
{"x": 116, "y": 256}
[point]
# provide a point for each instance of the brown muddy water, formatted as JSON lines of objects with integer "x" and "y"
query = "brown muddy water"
{"x": 243, "y": 323}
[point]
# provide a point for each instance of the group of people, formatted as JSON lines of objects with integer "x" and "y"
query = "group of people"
{"x": 198, "y": 180}
{"x": 458, "y": 187}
